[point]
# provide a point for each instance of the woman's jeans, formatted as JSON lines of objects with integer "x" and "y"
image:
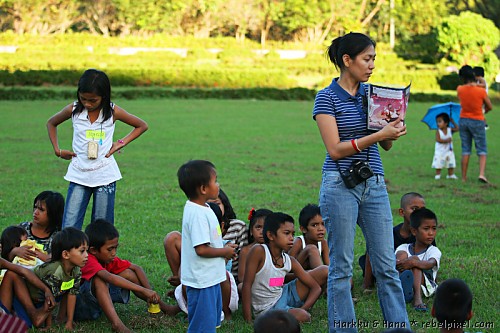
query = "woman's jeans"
{"x": 78, "y": 198}
{"x": 367, "y": 205}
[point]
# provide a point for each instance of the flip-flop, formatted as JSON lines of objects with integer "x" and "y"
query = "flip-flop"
{"x": 406, "y": 278}
{"x": 483, "y": 180}
{"x": 421, "y": 307}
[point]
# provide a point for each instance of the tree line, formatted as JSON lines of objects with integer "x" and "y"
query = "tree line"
{"x": 305, "y": 21}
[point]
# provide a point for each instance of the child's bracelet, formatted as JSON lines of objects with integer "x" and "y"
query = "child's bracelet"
{"x": 60, "y": 153}
{"x": 120, "y": 141}
{"x": 354, "y": 143}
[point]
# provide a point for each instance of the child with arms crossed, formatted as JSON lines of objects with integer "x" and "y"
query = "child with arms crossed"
{"x": 203, "y": 266}
{"x": 409, "y": 202}
{"x": 107, "y": 279}
{"x": 93, "y": 170}
{"x": 421, "y": 258}
{"x": 266, "y": 267}
{"x": 311, "y": 248}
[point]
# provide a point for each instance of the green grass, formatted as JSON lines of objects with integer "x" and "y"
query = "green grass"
{"x": 268, "y": 154}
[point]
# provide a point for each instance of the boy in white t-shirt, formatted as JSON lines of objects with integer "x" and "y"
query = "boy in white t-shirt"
{"x": 203, "y": 267}
{"x": 418, "y": 262}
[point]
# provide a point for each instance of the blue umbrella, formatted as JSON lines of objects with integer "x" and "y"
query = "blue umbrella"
{"x": 450, "y": 108}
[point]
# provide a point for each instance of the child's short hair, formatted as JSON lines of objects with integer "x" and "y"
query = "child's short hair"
{"x": 445, "y": 117}
{"x": 419, "y": 215}
{"x": 478, "y": 71}
{"x": 229, "y": 213}
{"x": 253, "y": 216}
{"x": 307, "y": 213}
{"x": 11, "y": 238}
{"x": 405, "y": 199}
{"x": 99, "y": 232}
{"x": 194, "y": 174}
{"x": 453, "y": 302}
{"x": 65, "y": 240}
{"x": 54, "y": 202}
{"x": 276, "y": 321}
{"x": 273, "y": 222}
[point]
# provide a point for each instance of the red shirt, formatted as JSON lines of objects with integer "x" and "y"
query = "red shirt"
{"x": 93, "y": 266}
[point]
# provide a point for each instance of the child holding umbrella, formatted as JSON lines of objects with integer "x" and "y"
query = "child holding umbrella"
{"x": 444, "y": 156}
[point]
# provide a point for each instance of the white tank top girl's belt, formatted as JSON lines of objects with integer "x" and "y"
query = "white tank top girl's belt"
{"x": 92, "y": 172}
{"x": 268, "y": 284}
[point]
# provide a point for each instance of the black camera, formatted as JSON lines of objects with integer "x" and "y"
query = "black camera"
{"x": 358, "y": 172}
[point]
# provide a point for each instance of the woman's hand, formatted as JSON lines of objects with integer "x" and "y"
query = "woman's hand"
{"x": 393, "y": 130}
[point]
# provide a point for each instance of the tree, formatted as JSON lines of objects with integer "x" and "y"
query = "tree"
{"x": 39, "y": 16}
{"x": 470, "y": 39}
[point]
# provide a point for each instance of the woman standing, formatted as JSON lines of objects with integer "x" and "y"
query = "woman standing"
{"x": 340, "y": 112}
{"x": 472, "y": 123}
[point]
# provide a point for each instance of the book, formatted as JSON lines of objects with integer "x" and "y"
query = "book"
{"x": 386, "y": 104}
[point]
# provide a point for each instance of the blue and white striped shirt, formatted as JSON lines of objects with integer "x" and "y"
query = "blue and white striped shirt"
{"x": 351, "y": 123}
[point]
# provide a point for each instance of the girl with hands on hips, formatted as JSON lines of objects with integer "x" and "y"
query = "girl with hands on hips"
{"x": 93, "y": 170}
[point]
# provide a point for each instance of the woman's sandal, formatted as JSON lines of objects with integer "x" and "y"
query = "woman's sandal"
{"x": 421, "y": 307}
{"x": 483, "y": 180}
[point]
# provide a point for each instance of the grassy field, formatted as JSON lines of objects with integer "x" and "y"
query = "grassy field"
{"x": 268, "y": 154}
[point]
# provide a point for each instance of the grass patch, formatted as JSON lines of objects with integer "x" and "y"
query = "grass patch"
{"x": 268, "y": 154}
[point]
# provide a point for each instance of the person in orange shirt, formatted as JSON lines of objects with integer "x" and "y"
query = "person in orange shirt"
{"x": 472, "y": 98}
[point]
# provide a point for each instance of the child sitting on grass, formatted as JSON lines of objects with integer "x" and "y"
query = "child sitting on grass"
{"x": 452, "y": 306}
{"x": 311, "y": 248}
{"x": 276, "y": 321}
{"x": 48, "y": 209}
{"x": 409, "y": 202}
{"x": 266, "y": 267}
{"x": 418, "y": 262}
{"x": 255, "y": 236}
{"x": 14, "y": 285}
{"x": 107, "y": 279}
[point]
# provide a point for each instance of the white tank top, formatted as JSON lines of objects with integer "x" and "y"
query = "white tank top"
{"x": 102, "y": 170}
{"x": 268, "y": 284}
{"x": 320, "y": 247}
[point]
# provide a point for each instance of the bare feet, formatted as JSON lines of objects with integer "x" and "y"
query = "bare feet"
{"x": 169, "y": 310}
{"x": 121, "y": 328}
{"x": 40, "y": 315}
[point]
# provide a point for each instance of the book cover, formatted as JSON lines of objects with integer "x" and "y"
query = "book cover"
{"x": 386, "y": 104}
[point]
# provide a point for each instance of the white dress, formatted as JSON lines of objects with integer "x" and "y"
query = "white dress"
{"x": 444, "y": 157}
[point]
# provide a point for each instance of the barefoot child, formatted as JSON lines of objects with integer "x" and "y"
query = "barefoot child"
{"x": 107, "y": 279}
{"x": 266, "y": 267}
{"x": 13, "y": 284}
{"x": 420, "y": 259}
{"x": 311, "y": 248}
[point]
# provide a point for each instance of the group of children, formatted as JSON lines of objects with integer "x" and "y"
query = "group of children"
{"x": 263, "y": 266}
{"x": 215, "y": 261}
